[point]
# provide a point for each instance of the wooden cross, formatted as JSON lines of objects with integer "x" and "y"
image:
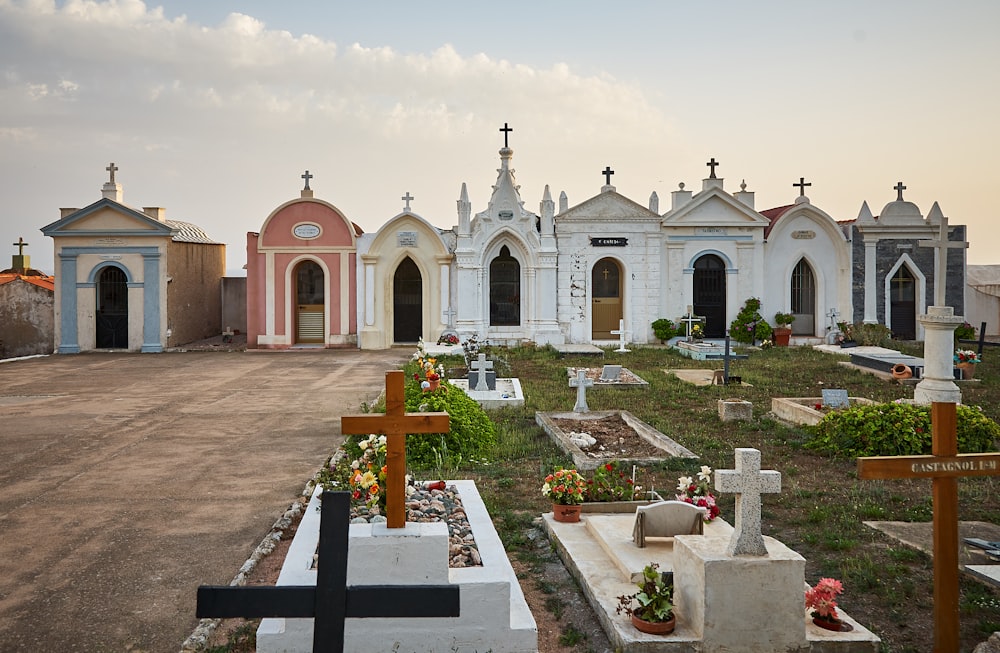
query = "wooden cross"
{"x": 944, "y": 466}
{"x": 480, "y": 365}
{"x": 899, "y": 188}
{"x": 712, "y": 164}
{"x": 406, "y": 198}
{"x": 506, "y": 130}
{"x": 331, "y": 600}
{"x": 395, "y": 424}
{"x": 581, "y": 383}
{"x": 112, "y": 168}
{"x": 607, "y": 172}
{"x": 748, "y": 482}
{"x": 982, "y": 342}
{"x": 20, "y": 245}
{"x": 802, "y": 186}
{"x": 307, "y": 177}
{"x": 941, "y": 245}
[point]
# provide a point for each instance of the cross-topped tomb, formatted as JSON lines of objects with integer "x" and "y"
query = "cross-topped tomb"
{"x": 395, "y": 424}
{"x": 748, "y": 482}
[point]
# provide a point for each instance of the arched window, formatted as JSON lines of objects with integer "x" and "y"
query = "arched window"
{"x": 505, "y": 290}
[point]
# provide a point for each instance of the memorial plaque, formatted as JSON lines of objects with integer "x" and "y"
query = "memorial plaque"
{"x": 611, "y": 372}
{"x": 608, "y": 242}
{"x": 836, "y": 399}
{"x": 406, "y": 238}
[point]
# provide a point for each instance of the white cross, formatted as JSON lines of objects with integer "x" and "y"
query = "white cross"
{"x": 748, "y": 482}
{"x": 581, "y": 383}
{"x": 621, "y": 336}
{"x": 690, "y": 320}
{"x": 480, "y": 365}
{"x": 833, "y": 315}
{"x": 407, "y": 198}
{"x": 941, "y": 245}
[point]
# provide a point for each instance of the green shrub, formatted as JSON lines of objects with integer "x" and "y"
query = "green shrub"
{"x": 898, "y": 430}
{"x": 965, "y": 332}
{"x": 750, "y": 322}
{"x": 872, "y": 335}
{"x": 664, "y": 329}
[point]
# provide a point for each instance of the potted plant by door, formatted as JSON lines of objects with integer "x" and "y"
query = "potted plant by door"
{"x": 565, "y": 488}
{"x": 783, "y": 330}
{"x": 654, "y": 613}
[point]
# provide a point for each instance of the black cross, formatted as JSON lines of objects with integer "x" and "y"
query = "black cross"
{"x": 726, "y": 357}
{"x": 982, "y": 342}
{"x": 307, "y": 177}
{"x": 331, "y": 600}
{"x": 802, "y": 186}
{"x": 712, "y": 164}
{"x": 505, "y": 129}
{"x": 607, "y": 175}
{"x": 899, "y": 188}
{"x": 20, "y": 245}
{"x": 112, "y": 168}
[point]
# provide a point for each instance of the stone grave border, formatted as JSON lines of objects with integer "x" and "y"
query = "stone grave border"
{"x": 799, "y": 410}
{"x": 598, "y": 383}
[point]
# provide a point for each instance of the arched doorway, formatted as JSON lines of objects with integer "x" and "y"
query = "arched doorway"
{"x": 505, "y": 290}
{"x": 606, "y": 301}
{"x": 903, "y": 304}
{"x": 309, "y": 290}
{"x": 710, "y": 294}
{"x": 112, "y": 309}
{"x": 407, "y": 302}
{"x": 803, "y": 299}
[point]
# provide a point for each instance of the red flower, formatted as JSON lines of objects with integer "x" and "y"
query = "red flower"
{"x": 416, "y": 376}
{"x": 609, "y": 467}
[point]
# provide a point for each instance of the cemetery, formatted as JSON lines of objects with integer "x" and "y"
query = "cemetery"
{"x": 602, "y": 550}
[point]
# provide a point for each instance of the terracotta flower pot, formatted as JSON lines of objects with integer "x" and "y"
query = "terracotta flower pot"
{"x": 654, "y": 627}
{"x": 901, "y": 371}
{"x": 835, "y": 625}
{"x": 781, "y": 336}
{"x": 434, "y": 384}
{"x": 566, "y": 514}
{"x": 968, "y": 370}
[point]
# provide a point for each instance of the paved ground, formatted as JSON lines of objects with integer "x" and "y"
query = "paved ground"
{"x": 130, "y": 479}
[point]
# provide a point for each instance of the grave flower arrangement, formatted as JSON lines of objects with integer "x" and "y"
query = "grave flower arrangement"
{"x": 967, "y": 356}
{"x": 611, "y": 483}
{"x": 368, "y": 472}
{"x": 448, "y": 339}
{"x": 698, "y": 491}
{"x": 697, "y": 332}
{"x": 655, "y": 599}
{"x": 822, "y": 601}
{"x": 564, "y": 487}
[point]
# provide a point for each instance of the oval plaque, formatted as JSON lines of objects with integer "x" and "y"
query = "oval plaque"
{"x": 306, "y": 230}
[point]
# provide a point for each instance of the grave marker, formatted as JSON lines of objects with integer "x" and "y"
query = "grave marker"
{"x": 748, "y": 482}
{"x": 395, "y": 424}
{"x": 621, "y": 337}
{"x": 331, "y": 600}
{"x": 726, "y": 358}
{"x": 941, "y": 245}
{"x": 944, "y": 466}
{"x": 689, "y": 321}
{"x": 611, "y": 373}
{"x": 834, "y": 398}
{"x": 480, "y": 366}
{"x": 581, "y": 383}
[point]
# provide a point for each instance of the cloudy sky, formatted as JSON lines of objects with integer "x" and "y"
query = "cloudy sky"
{"x": 213, "y": 109}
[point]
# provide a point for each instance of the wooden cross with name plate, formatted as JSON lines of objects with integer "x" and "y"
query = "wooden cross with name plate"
{"x": 395, "y": 424}
{"x": 945, "y": 465}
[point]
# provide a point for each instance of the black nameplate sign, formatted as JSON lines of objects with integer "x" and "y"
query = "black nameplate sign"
{"x": 608, "y": 242}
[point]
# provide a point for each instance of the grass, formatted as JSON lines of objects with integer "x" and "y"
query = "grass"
{"x": 820, "y": 510}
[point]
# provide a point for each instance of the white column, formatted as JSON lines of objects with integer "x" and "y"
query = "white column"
{"x": 369, "y": 293}
{"x": 445, "y": 293}
{"x": 937, "y": 383}
{"x": 871, "y": 292}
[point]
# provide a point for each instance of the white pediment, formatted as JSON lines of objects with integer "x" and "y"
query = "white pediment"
{"x": 714, "y": 207}
{"x": 107, "y": 217}
{"x": 607, "y": 206}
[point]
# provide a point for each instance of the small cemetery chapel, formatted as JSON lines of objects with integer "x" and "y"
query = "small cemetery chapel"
{"x": 26, "y": 297}
{"x": 128, "y": 278}
{"x": 583, "y": 273}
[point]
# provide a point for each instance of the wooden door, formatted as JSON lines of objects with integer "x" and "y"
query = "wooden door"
{"x": 606, "y": 301}
{"x": 310, "y": 323}
{"x": 803, "y": 299}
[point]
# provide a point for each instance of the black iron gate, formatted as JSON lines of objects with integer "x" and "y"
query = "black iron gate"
{"x": 407, "y": 302}
{"x": 710, "y": 294}
{"x": 112, "y": 309}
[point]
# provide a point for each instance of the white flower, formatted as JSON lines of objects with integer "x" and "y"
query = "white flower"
{"x": 381, "y": 440}
{"x": 683, "y": 482}
{"x": 354, "y": 464}
{"x": 705, "y": 474}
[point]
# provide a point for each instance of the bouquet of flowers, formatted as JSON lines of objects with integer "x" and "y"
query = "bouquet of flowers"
{"x": 698, "y": 491}
{"x": 822, "y": 599}
{"x": 564, "y": 487}
{"x": 611, "y": 483}
{"x": 367, "y": 479}
{"x": 448, "y": 339}
{"x": 967, "y": 356}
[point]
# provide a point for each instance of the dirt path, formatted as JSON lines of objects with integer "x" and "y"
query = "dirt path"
{"x": 128, "y": 480}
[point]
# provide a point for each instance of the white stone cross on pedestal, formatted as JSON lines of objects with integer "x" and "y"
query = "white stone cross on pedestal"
{"x": 941, "y": 245}
{"x": 581, "y": 383}
{"x": 480, "y": 365}
{"x": 748, "y": 482}
{"x": 690, "y": 320}
{"x": 621, "y": 336}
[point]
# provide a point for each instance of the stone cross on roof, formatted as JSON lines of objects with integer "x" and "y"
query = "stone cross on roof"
{"x": 112, "y": 168}
{"x": 406, "y": 198}
{"x": 307, "y": 177}
{"x": 748, "y": 482}
{"x": 581, "y": 383}
{"x": 506, "y": 130}
{"x": 899, "y": 188}
{"x": 607, "y": 172}
{"x": 712, "y": 164}
{"x": 480, "y": 365}
{"x": 802, "y": 186}
{"x": 941, "y": 245}
{"x": 20, "y": 245}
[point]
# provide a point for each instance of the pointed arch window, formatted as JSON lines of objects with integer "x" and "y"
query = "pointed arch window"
{"x": 505, "y": 290}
